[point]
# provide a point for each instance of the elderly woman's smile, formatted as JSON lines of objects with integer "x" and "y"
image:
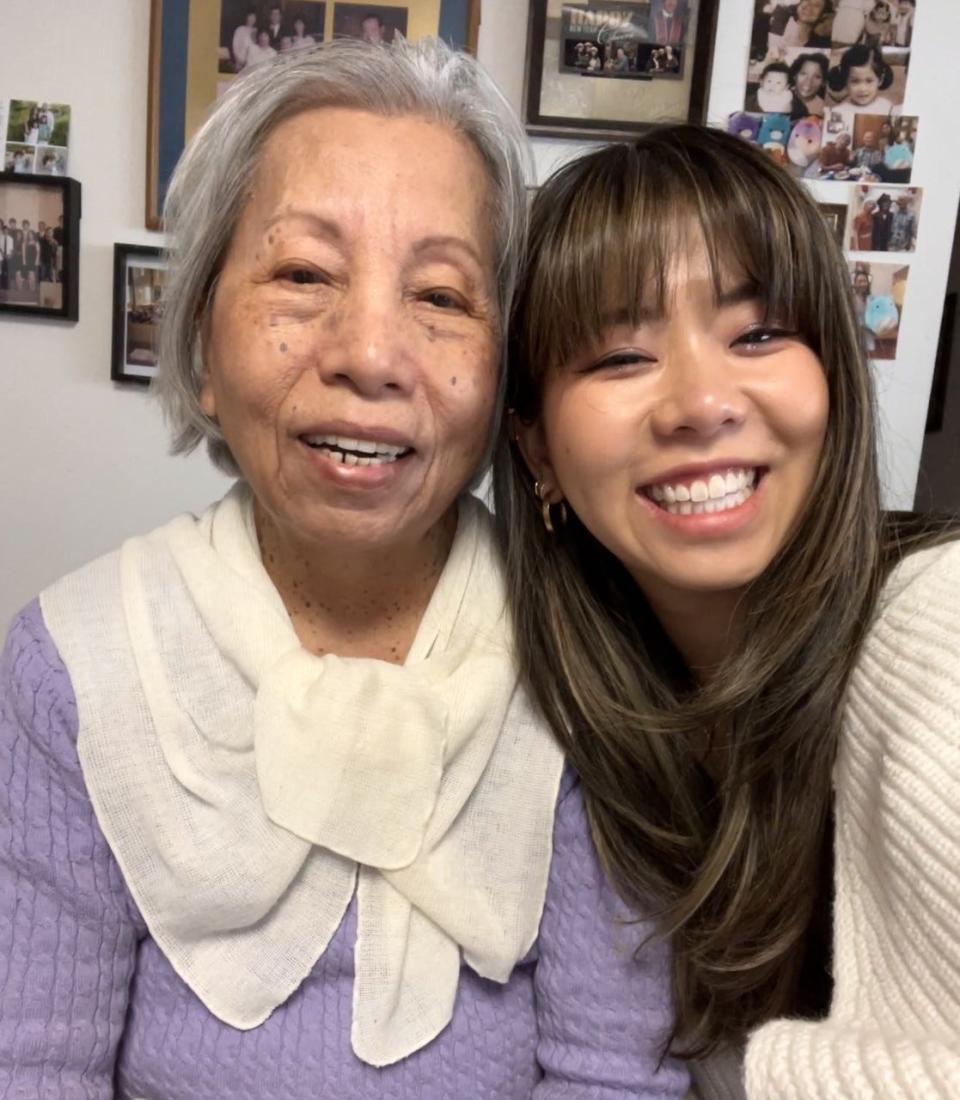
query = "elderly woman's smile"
{"x": 351, "y": 348}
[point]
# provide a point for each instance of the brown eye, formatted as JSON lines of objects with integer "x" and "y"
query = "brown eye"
{"x": 442, "y": 299}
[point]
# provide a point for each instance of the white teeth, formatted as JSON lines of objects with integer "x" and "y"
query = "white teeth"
{"x": 350, "y": 459}
{"x": 719, "y": 493}
{"x": 360, "y": 446}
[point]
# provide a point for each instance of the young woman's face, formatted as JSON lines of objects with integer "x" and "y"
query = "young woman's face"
{"x": 809, "y": 80}
{"x": 863, "y": 85}
{"x": 687, "y": 445}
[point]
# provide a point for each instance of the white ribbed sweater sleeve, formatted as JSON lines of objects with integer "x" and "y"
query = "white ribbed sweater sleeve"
{"x": 893, "y": 1032}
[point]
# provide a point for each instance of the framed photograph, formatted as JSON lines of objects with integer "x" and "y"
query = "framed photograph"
{"x": 606, "y": 70}
{"x": 884, "y": 218}
{"x": 138, "y": 277}
{"x": 835, "y": 215}
{"x": 198, "y": 48}
{"x": 879, "y": 291}
{"x": 39, "y": 245}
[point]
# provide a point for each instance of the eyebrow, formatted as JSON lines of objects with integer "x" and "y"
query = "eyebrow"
{"x": 442, "y": 241}
{"x": 320, "y": 226}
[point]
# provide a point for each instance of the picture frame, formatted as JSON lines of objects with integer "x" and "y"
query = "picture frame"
{"x": 598, "y": 71}
{"x": 835, "y": 215}
{"x": 195, "y": 48}
{"x": 39, "y": 268}
{"x": 138, "y": 280}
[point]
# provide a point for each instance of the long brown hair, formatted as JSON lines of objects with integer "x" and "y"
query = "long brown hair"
{"x": 731, "y": 858}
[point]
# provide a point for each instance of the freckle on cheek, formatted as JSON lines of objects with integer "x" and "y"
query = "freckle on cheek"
{"x": 453, "y": 380}
{"x": 283, "y": 347}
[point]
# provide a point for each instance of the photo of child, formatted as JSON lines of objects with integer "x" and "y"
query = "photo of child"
{"x": 865, "y": 45}
{"x": 884, "y": 219}
{"x": 878, "y": 293}
{"x": 866, "y": 80}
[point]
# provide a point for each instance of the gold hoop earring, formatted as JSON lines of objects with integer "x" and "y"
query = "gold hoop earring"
{"x": 540, "y": 492}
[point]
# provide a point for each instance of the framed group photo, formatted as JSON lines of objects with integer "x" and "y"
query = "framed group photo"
{"x": 198, "y": 48}
{"x": 605, "y": 70}
{"x": 39, "y": 245}
{"x": 139, "y": 273}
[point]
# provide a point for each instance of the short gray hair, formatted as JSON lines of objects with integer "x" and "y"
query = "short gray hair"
{"x": 212, "y": 180}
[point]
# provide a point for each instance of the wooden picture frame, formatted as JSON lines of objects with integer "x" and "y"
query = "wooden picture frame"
{"x": 40, "y": 278}
{"x": 138, "y": 272}
{"x": 192, "y": 62}
{"x": 628, "y": 90}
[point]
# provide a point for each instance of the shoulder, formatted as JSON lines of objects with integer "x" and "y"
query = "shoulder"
{"x": 905, "y": 687}
{"x": 36, "y": 694}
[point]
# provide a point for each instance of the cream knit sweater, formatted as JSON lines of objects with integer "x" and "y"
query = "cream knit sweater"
{"x": 893, "y": 1032}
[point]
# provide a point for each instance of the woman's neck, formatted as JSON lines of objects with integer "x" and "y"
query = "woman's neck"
{"x": 700, "y": 625}
{"x": 355, "y": 602}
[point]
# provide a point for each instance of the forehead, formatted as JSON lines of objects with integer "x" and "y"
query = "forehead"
{"x": 398, "y": 175}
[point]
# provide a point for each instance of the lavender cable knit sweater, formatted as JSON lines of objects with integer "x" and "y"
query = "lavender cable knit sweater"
{"x": 90, "y": 1008}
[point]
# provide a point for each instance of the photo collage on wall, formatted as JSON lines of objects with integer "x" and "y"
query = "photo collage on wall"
{"x": 36, "y": 137}
{"x": 825, "y": 87}
{"x": 639, "y": 41}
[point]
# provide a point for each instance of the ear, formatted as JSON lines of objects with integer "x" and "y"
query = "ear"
{"x": 532, "y": 442}
{"x": 208, "y": 400}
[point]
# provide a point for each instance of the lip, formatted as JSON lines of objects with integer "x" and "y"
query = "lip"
{"x": 700, "y": 470}
{"x": 357, "y": 478}
{"x": 370, "y": 433}
{"x": 706, "y": 525}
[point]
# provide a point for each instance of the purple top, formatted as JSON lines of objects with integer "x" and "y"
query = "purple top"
{"x": 91, "y": 1009}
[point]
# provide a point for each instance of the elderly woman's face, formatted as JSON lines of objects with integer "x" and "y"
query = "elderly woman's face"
{"x": 352, "y": 346}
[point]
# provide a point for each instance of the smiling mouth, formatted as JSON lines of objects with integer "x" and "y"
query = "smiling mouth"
{"x": 719, "y": 492}
{"x": 356, "y": 452}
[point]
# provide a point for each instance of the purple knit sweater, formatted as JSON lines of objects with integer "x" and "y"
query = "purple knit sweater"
{"x": 90, "y": 1008}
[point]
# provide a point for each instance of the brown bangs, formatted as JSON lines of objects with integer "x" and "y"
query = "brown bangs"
{"x": 607, "y": 229}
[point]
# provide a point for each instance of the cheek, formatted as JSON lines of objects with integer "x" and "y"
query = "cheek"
{"x": 591, "y": 433}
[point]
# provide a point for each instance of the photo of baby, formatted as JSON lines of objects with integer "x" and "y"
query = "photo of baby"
{"x": 809, "y": 56}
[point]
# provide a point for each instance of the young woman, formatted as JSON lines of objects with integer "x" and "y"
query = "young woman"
{"x": 755, "y": 671}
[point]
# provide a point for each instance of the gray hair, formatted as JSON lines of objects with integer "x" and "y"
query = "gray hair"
{"x": 212, "y": 180}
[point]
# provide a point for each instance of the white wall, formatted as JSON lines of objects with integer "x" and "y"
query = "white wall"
{"x": 83, "y": 462}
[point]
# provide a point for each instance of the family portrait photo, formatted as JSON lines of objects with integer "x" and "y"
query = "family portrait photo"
{"x": 253, "y": 33}
{"x": 372, "y": 24}
{"x": 641, "y": 40}
{"x": 814, "y": 54}
{"x": 878, "y": 294}
{"x": 31, "y": 246}
{"x": 884, "y": 219}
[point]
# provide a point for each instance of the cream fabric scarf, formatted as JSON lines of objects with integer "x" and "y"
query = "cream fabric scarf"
{"x": 247, "y": 788}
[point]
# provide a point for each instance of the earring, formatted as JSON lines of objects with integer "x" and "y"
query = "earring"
{"x": 540, "y": 491}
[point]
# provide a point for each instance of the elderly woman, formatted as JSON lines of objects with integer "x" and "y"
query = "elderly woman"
{"x": 277, "y": 819}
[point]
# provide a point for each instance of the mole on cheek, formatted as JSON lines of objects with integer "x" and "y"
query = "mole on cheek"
{"x": 283, "y": 347}
{"x": 453, "y": 380}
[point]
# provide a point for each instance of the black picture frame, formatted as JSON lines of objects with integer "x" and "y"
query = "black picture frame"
{"x": 134, "y": 339}
{"x": 699, "y": 55}
{"x": 835, "y": 215}
{"x": 61, "y": 299}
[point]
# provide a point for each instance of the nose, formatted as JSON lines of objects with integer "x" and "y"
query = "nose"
{"x": 699, "y": 397}
{"x": 367, "y": 345}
